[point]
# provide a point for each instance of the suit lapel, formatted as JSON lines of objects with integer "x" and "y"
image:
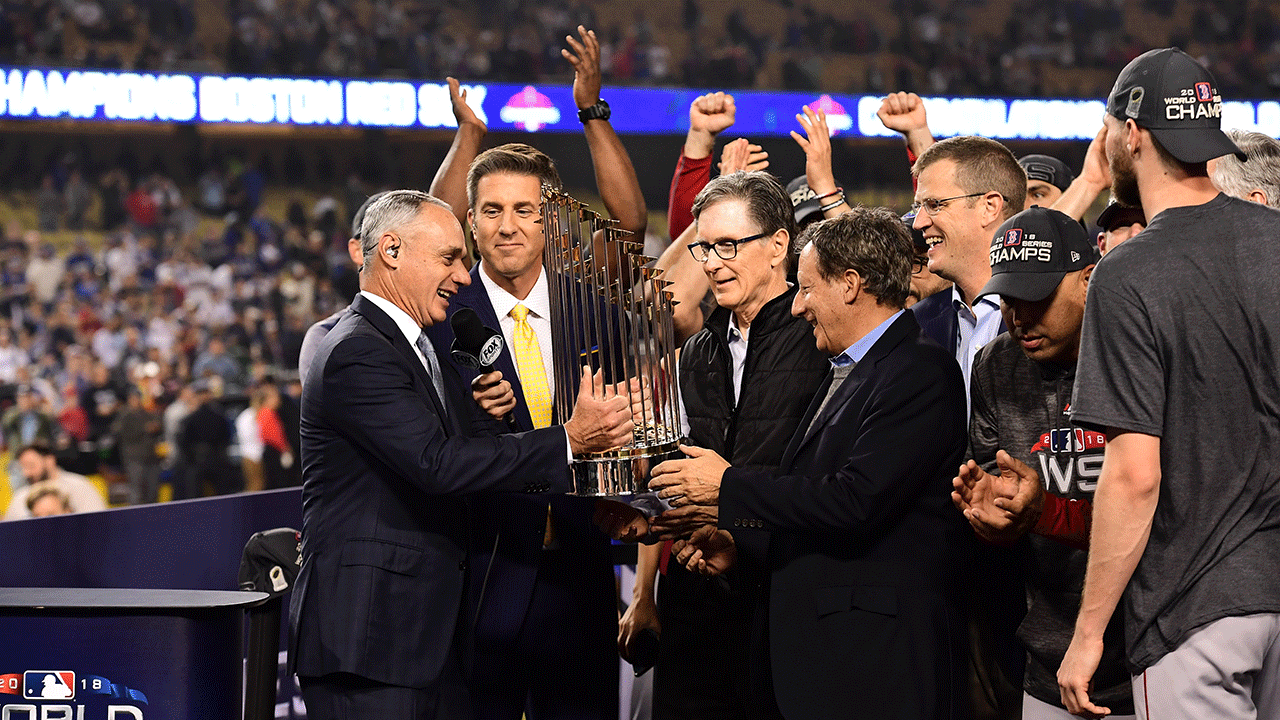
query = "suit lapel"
{"x": 801, "y": 433}
{"x": 385, "y": 325}
{"x": 901, "y": 329}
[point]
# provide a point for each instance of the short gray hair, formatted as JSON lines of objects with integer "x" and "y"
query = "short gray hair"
{"x": 389, "y": 212}
{"x": 1261, "y": 172}
{"x": 768, "y": 203}
{"x": 874, "y": 242}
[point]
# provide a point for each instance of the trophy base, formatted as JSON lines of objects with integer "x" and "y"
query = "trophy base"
{"x": 622, "y": 474}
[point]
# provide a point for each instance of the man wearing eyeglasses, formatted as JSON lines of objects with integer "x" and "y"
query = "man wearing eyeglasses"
{"x": 965, "y": 188}
{"x": 746, "y": 380}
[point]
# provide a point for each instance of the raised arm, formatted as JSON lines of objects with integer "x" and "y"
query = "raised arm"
{"x": 1094, "y": 178}
{"x": 904, "y": 113}
{"x": 450, "y": 182}
{"x": 615, "y": 177}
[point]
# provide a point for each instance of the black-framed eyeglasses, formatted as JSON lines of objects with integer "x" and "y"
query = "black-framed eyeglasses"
{"x": 932, "y": 207}
{"x": 918, "y": 264}
{"x": 724, "y": 249}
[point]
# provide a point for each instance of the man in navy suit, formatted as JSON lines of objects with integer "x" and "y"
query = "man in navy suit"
{"x": 545, "y": 597}
{"x": 387, "y": 469}
{"x": 861, "y": 615}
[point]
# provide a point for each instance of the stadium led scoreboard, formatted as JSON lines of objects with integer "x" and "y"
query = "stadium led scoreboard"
{"x": 102, "y": 95}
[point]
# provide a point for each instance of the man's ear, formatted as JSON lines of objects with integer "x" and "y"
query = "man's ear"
{"x": 993, "y": 210}
{"x": 389, "y": 250}
{"x": 779, "y": 244}
{"x": 852, "y": 286}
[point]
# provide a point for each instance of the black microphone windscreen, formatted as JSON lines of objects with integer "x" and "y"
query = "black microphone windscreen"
{"x": 471, "y": 337}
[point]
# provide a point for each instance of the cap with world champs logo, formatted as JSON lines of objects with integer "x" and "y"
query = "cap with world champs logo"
{"x": 1174, "y": 97}
{"x": 1033, "y": 250}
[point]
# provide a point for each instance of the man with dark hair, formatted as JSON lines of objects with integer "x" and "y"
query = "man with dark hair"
{"x": 40, "y": 467}
{"x": 1026, "y": 451}
{"x": 1257, "y": 180}
{"x": 745, "y": 381}
{"x": 546, "y": 614}
{"x": 861, "y": 537}
{"x": 1178, "y": 365}
{"x": 1047, "y": 178}
{"x": 377, "y": 618}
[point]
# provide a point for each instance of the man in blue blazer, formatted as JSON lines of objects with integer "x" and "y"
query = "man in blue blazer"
{"x": 862, "y": 610}
{"x": 544, "y": 594}
{"x": 387, "y": 470}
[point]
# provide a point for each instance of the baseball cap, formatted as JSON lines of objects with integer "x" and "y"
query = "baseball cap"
{"x": 1033, "y": 250}
{"x": 1174, "y": 97}
{"x": 1117, "y": 214}
{"x": 804, "y": 202}
{"x": 358, "y": 219}
{"x": 1047, "y": 169}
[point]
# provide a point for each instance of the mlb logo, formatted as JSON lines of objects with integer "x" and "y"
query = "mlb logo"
{"x": 1204, "y": 92}
{"x": 48, "y": 684}
{"x": 1013, "y": 237}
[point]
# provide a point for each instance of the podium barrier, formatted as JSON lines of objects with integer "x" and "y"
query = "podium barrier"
{"x": 185, "y": 545}
{"x": 121, "y": 654}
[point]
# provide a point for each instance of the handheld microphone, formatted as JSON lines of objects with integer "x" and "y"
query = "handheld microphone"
{"x": 476, "y": 346}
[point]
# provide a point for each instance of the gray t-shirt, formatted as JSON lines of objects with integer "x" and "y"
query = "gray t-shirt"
{"x": 1182, "y": 341}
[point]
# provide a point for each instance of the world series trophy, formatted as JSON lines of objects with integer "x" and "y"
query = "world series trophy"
{"x": 613, "y": 314}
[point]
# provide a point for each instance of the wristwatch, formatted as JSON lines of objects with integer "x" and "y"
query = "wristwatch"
{"x": 599, "y": 111}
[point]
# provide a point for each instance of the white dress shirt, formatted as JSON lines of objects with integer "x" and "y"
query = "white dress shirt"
{"x": 539, "y": 318}
{"x": 408, "y": 326}
{"x": 977, "y": 326}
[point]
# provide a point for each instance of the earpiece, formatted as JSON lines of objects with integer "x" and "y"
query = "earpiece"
{"x": 394, "y": 251}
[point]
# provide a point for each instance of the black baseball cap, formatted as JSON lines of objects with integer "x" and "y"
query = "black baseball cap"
{"x": 1033, "y": 250}
{"x": 804, "y": 202}
{"x": 1117, "y": 214}
{"x": 1174, "y": 97}
{"x": 358, "y": 219}
{"x": 1047, "y": 169}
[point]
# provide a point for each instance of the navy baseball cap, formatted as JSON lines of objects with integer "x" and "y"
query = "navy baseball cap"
{"x": 1174, "y": 97}
{"x": 803, "y": 200}
{"x": 1033, "y": 250}
{"x": 1047, "y": 169}
{"x": 1117, "y": 214}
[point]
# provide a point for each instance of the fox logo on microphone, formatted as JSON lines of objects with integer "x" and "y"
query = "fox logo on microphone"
{"x": 491, "y": 350}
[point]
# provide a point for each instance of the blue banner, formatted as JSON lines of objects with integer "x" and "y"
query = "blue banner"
{"x": 97, "y": 95}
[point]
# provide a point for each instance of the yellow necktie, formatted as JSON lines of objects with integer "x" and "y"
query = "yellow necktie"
{"x": 533, "y": 376}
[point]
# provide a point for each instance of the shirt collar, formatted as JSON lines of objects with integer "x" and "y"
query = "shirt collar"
{"x": 734, "y": 333}
{"x": 407, "y": 325}
{"x": 983, "y": 306}
{"x": 538, "y": 302}
{"x": 858, "y": 350}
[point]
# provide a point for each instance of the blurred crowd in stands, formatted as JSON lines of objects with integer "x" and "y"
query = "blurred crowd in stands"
{"x": 133, "y": 359}
{"x": 1014, "y": 47}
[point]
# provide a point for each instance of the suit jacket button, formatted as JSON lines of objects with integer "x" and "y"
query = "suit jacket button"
{"x": 463, "y": 566}
{"x": 737, "y": 523}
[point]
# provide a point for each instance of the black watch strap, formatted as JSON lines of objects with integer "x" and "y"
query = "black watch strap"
{"x": 599, "y": 111}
